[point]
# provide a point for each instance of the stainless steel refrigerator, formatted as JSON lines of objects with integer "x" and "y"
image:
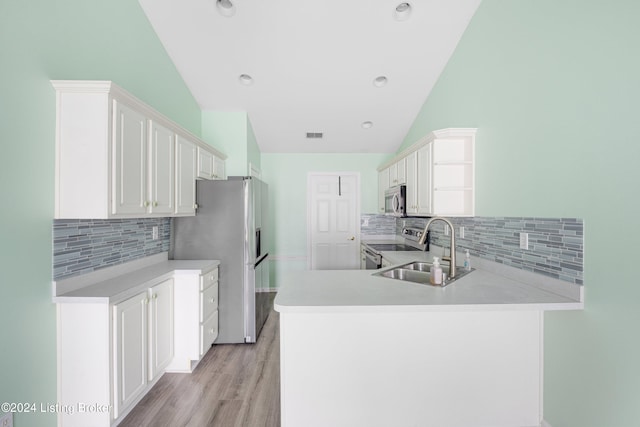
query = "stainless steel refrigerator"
{"x": 230, "y": 225}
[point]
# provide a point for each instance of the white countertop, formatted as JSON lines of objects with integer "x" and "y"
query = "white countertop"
{"x": 489, "y": 287}
{"x": 126, "y": 282}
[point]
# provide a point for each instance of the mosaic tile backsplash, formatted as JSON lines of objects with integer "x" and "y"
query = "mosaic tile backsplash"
{"x": 556, "y": 245}
{"x": 84, "y": 245}
{"x": 377, "y": 225}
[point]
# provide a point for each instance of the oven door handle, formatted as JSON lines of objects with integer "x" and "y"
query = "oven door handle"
{"x": 373, "y": 256}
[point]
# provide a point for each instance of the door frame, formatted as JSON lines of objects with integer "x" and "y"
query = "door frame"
{"x": 357, "y": 210}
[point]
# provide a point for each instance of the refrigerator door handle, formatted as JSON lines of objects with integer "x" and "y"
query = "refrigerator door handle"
{"x": 262, "y": 258}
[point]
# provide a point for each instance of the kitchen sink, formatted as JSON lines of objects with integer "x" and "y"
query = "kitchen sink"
{"x": 419, "y": 272}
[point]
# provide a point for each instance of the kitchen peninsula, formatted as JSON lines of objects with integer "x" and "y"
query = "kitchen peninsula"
{"x": 363, "y": 350}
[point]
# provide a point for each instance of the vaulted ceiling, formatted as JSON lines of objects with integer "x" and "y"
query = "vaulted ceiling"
{"x": 313, "y": 64}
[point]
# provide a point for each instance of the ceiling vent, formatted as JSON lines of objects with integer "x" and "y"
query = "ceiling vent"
{"x": 314, "y": 135}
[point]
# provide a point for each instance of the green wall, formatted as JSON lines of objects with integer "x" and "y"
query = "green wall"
{"x": 553, "y": 88}
{"x": 227, "y": 131}
{"x": 231, "y": 132}
{"x": 286, "y": 175}
{"x": 254, "y": 156}
{"x": 43, "y": 40}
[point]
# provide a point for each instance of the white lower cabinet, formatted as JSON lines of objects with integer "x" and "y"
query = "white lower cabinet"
{"x": 196, "y": 319}
{"x": 130, "y": 349}
{"x": 143, "y": 343}
{"x": 110, "y": 355}
{"x": 160, "y": 328}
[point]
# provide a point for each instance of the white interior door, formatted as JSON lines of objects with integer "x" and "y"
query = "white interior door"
{"x": 334, "y": 221}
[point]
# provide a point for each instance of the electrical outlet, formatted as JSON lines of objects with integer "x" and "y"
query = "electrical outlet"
{"x": 446, "y": 229}
{"x": 524, "y": 240}
{"x": 365, "y": 222}
{"x": 462, "y": 232}
{"x": 154, "y": 233}
{"x": 6, "y": 420}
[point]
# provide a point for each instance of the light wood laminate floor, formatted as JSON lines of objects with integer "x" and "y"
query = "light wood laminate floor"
{"x": 235, "y": 385}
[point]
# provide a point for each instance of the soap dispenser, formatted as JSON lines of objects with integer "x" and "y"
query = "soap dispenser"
{"x": 467, "y": 261}
{"x": 436, "y": 272}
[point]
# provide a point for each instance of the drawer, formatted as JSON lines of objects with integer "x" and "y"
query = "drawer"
{"x": 208, "y": 279}
{"x": 208, "y": 301}
{"x": 208, "y": 333}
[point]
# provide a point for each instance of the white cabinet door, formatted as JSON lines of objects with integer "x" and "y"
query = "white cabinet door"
{"x": 401, "y": 172}
{"x": 393, "y": 175}
{"x": 160, "y": 328}
{"x": 218, "y": 168}
{"x": 423, "y": 188}
{"x": 161, "y": 170}
{"x": 412, "y": 183}
{"x": 383, "y": 185}
{"x": 186, "y": 156}
{"x": 129, "y": 162}
{"x": 130, "y": 350}
{"x": 208, "y": 333}
{"x": 205, "y": 164}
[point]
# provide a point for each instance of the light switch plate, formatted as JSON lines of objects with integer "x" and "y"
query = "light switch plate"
{"x": 154, "y": 235}
{"x": 462, "y": 232}
{"x": 524, "y": 240}
{"x": 6, "y": 420}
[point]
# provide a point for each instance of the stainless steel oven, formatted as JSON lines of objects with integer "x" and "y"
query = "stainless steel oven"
{"x": 395, "y": 199}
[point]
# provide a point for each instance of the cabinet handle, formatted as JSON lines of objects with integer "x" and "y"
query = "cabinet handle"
{"x": 212, "y": 300}
{"x": 211, "y": 277}
{"x": 146, "y": 204}
{"x": 195, "y": 206}
{"x": 155, "y": 204}
{"x": 351, "y": 238}
{"x": 155, "y": 296}
{"x": 211, "y": 331}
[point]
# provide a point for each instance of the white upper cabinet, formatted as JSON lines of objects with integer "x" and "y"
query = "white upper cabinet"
{"x": 397, "y": 173}
{"x": 186, "y": 177}
{"x": 423, "y": 181}
{"x": 116, "y": 157}
{"x": 210, "y": 166}
{"x": 453, "y": 176}
{"x": 161, "y": 169}
{"x": 218, "y": 168}
{"x": 205, "y": 163}
{"x": 439, "y": 174}
{"x": 130, "y": 161}
{"x": 383, "y": 185}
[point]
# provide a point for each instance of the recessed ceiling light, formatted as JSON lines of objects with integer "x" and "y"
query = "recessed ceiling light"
{"x": 226, "y": 8}
{"x": 402, "y": 12}
{"x": 367, "y": 125}
{"x": 246, "y": 79}
{"x": 380, "y": 81}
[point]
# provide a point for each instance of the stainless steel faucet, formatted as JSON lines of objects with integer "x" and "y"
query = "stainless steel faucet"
{"x": 452, "y": 261}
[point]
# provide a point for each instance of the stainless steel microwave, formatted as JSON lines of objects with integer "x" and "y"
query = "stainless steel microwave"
{"x": 395, "y": 199}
